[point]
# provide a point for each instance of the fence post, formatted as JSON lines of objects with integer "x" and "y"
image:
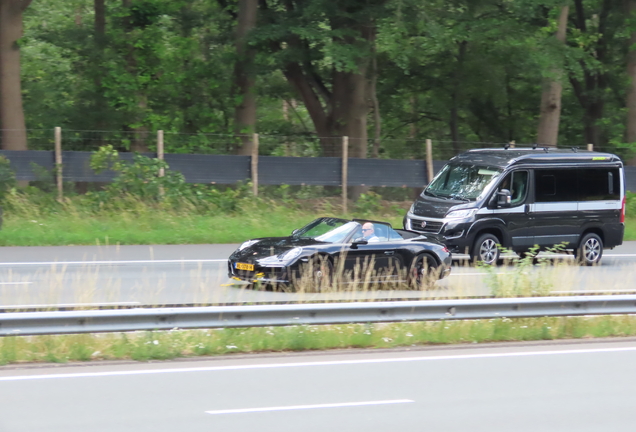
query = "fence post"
{"x": 255, "y": 164}
{"x": 590, "y": 147}
{"x": 160, "y": 151}
{"x": 58, "y": 163}
{"x": 512, "y": 144}
{"x": 429, "y": 160}
{"x": 345, "y": 172}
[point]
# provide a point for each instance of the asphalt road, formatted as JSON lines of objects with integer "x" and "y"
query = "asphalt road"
{"x": 129, "y": 275}
{"x": 582, "y": 386}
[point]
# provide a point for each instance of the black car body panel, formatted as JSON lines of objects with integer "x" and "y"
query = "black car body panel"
{"x": 396, "y": 248}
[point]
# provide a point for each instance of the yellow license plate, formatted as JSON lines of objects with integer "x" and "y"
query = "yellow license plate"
{"x": 243, "y": 266}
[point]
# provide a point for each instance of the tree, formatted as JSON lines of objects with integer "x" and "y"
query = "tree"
{"x": 323, "y": 49}
{"x": 245, "y": 109}
{"x": 631, "y": 73}
{"x": 11, "y": 110}
{"x": 551, "y": 95}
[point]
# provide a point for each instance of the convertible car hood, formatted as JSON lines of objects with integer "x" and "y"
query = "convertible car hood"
{"x": 273, "y": 246}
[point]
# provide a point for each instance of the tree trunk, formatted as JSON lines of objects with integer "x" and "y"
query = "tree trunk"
{"x": 454, "y": 111}
{"x": 245, "y": 110}
{"x": 100, "y": 42}
{"x": 322, "y": 121}
{"x": 11, "y": 111}
{"x": 373, "y": 94}
{"x": 591, "y": 90}
{"x": 138, "y": 143}
{"x": 631, "y": 73}
{"x": 550, "y": 116}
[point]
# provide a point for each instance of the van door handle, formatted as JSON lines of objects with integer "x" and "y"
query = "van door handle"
{"x": 389, "y": 252}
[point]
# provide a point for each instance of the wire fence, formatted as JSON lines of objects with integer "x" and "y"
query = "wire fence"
{"x": 270, "y": 145}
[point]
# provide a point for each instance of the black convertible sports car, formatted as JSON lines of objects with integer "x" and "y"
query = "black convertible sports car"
{"x": 330, "y": 247}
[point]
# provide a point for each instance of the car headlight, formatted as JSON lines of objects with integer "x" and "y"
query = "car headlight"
{"x": 247, "y": 244}
{"x": 291, "y": 254}
{"x": 411, "y": 210}
{"x": 461, "y": 214}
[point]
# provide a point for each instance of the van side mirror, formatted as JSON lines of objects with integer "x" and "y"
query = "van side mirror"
{"x": 503, "y": 198}
{"x": 295, "y": 231}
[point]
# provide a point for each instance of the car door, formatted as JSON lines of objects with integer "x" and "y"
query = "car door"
{"x": 516, "y": 217}
{"x": 555, "y": 216}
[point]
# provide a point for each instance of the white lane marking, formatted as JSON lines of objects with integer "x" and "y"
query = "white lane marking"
{"x": 52, "y": 305}
{"x": 301, "y": 407}
{"x": 15, "y": 283}
{"x": 113, "y": 262}
{"x": 7, "y": 264}
{"x": 308, "y": 364}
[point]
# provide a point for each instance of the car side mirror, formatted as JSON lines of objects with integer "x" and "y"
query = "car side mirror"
{"x": 294, "y": 231}
{"x": 503, "y": 198}
{"x": 358, "y": 241}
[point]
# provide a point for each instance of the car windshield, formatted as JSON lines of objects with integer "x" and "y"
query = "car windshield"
{"x": 328, "y": 230}
{"x": 462, "y": 182}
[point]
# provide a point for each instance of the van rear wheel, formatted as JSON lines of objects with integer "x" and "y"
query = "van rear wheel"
{"x": 590, "y": 250}
{"x": 485, "y": 250}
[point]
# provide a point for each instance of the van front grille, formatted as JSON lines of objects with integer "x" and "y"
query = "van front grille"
{"x": 428, "y": 226}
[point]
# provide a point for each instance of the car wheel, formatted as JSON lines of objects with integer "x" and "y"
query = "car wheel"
{"x": 590, "y": 250}
{"x": 485, "y": 250}
{"x": 423, "y": 272}
{"x": 317, "y": 273}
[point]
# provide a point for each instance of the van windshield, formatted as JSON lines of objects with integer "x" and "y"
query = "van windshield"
{"x": 461, "y": 182}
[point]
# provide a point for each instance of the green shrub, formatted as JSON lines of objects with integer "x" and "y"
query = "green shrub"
{"x": 630, "y": 207}
{"x": 7, "y": 177}
{"x": 368, "y": 203}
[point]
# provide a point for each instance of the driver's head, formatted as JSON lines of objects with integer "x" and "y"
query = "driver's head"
{"x": 367, "y": 230}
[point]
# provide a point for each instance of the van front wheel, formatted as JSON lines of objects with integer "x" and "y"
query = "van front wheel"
{"x": 590, "y": 250}
{"x": 485, "y": 249}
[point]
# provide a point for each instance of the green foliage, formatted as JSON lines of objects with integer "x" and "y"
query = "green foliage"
{"x": 140, "y": 178}
{"x": 7, "y": 177}
{"x": 169, "y": 65}
{"x": 523, "y": 280}
{"x": 630, "y": 205}
{"x": 163, "y": 345}
{"x": 368, "y": 203}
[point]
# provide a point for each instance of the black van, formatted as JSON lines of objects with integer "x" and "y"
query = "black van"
{"x": 518, "y": 198}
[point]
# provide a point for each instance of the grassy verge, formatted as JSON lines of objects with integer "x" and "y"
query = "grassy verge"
{"x": 76, "y": 224}
{"x": 189, "y": 343}
{"x": 136, "y": 222}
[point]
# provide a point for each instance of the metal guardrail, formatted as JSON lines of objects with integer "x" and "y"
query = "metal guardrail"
{"x": 96, "y": 321}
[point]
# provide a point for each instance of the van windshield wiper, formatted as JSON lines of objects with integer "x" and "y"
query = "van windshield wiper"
{"x": 459, "y": 198}
{"x": 433, "y": 194}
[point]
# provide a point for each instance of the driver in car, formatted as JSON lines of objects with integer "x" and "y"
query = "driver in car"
{"x": 368, "y": 232}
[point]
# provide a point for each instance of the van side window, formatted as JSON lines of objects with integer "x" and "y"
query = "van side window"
{"x": 517, "y": 183}
{"x": 519, "y": 187}
{"x": 599, "y": 184}
{"x": 556, "y": 185}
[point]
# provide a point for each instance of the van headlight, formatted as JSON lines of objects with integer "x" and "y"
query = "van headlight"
{"x": 461, "y": 214}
